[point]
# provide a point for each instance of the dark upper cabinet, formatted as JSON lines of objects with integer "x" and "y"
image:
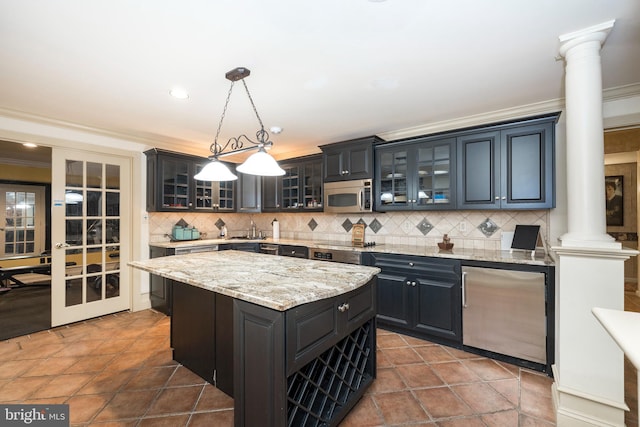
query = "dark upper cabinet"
{"x": 416, "y": 175}
{"x": 216, "y": 195}
{"x": 170, "y": 181}
{"x": 508, "y": 167}
{"x": 249, "y": 193}
{"x": 171, "y": 185}
{"x": 271, "y": 198}
{"x": 299, "y": 189}
{"x": 349, "y": 160}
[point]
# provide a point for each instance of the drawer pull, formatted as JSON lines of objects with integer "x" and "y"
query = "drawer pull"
{"x": 343, "y": 307}
{"x": 411, "y": 264}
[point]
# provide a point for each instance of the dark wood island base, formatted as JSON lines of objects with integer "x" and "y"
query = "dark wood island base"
{"x": 305, "y": 366}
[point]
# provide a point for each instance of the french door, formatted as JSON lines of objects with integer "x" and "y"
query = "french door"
{"x": 90, "y": 235}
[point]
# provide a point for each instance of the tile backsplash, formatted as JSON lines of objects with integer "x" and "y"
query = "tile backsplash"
{"x": 467, "y": 229}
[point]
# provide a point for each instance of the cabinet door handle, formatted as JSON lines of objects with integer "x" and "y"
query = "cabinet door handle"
{"x": 497, "y": 197}
{"x": 464, "y": 289}
{"x": 504, "y": 197}
{"x": 343, "y": 307}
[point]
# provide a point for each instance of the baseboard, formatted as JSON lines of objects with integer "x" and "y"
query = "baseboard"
{"x": 577, "y": 409}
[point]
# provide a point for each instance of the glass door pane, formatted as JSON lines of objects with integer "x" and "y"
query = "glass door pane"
{"x": 393, "y": 179}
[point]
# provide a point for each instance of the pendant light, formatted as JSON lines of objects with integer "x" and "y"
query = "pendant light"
{"x": 260, "y": 163}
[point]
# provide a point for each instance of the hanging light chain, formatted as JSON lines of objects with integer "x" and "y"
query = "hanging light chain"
{"x": 215, "y": 147}
{"x": 236, "y": 143}
{"x": 262, "y": 134}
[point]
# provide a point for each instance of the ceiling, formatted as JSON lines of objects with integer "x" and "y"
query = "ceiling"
{"x": 324, "y": 72}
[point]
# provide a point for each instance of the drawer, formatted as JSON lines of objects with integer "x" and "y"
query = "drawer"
{"x": 443, "y": 268}
{"x": 322, "y": 324}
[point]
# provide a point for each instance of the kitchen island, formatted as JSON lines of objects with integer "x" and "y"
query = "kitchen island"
{"x": 292, "y": 340}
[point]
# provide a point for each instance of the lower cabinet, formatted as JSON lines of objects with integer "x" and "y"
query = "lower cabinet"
{"x": 419, "y": 295}
{"x": 159, "y": 287}
{"x": 202, "y": 333}
{"x": 308, "y": 365}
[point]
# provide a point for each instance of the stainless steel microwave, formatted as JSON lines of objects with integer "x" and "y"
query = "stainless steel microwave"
{"x": 348, "y": 196}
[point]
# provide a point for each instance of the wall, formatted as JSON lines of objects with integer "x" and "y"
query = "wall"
{"x": 626, "y": 142}
{"x": 482, "y": 229}
{"x": 25, "y": 174}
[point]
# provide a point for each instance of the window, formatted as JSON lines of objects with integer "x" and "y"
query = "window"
{"x": 22, "y": 227}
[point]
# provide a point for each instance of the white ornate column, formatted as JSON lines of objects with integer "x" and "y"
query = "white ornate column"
{"x": 585, "y": 138}
{"x": 588, "y": 369}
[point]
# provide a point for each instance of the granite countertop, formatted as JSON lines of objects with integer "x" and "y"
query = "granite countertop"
{"x": 517, "y": 257}
{"x": 271, "y": 281}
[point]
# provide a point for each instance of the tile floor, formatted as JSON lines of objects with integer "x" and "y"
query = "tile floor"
{"x": 117, "y": 371}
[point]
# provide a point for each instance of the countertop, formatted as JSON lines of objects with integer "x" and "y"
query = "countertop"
{"x": 623, "y": 326}
{"x": 276, "y": 282}
{"x": 517, "y": 257}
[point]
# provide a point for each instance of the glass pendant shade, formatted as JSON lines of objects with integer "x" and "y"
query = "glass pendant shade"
{"x": 215, "y": 171}
{"x": 261, "y": 163}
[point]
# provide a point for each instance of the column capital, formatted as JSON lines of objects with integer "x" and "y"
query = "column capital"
{"x": 597, "y": 33}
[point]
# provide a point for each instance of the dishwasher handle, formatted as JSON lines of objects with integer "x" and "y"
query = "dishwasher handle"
{"x": 464, "y": 289}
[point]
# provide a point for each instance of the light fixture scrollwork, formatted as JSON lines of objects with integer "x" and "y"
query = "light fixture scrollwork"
{"x": 259, "y": 163}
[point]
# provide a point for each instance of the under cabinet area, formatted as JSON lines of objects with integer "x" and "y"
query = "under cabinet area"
{"x": 419, "y": 295}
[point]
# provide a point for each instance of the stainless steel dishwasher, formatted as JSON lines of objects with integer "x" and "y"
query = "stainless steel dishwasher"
{"x": 503, "y": 311}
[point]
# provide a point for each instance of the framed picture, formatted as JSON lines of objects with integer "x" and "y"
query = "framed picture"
{"x": 615, "y": 198}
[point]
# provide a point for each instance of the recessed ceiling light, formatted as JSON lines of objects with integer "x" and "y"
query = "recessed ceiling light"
{"x": 30, "y": 145}
{"x": 179, "y": 93}
{"x": 275, "y": 129}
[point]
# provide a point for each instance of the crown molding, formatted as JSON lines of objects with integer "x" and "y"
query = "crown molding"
{"x": 612, "y": 94}
{"x": 150, "y": 141}
{"x": 476, "y": 120}
{"x": 621, "y": 92}
{"x": 513, "y": 113}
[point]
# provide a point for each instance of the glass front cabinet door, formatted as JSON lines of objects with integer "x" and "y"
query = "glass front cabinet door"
{"x": 416, "y": 175}
{"x": 214, "y": 195}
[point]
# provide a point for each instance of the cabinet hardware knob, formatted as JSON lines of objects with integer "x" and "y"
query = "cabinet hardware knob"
{"x": 411, "y": 264}
{"x": 343, "y": 307}
{"x": 504, "y": 197}
{"x": 497, "y": 197}
{"x": 409, "y": 282}
{"x": 413, "y": 283}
